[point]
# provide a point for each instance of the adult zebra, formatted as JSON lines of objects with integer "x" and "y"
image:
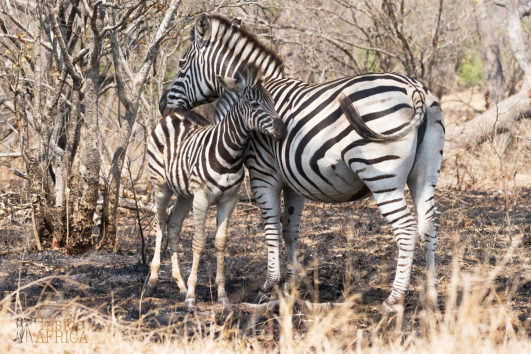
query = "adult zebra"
{"x": 346, "y": 138}
{"x": 202, "y": 164}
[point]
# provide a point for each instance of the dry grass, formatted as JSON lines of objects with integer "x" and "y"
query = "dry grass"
{"x": 476, "y": 318}
{"x": 501, "y": 163}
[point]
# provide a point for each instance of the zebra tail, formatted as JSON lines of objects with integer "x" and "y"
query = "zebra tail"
{"x": 354, "y": 117}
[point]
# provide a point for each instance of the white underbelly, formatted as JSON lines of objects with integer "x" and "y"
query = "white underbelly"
{"x": 338, "y": 183}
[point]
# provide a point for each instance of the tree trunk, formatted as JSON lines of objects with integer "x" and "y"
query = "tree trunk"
{"x": 83, "y": 222}
{"x": 111, "y": 195}
{"x": 490, "y": 53}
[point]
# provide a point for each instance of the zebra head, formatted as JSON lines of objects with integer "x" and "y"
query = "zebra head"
{"x": 252, "y": 102}
{"x": 191, "y": 86}
{"x": 218, "y": 46}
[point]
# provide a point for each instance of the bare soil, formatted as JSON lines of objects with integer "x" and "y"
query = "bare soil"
{"x": 345, "y": 249}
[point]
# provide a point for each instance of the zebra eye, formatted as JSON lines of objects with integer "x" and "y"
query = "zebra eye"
{"x": 255, "y": 105}
{"x": 182, "y": 62}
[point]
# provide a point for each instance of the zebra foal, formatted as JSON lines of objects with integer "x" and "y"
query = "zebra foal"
{"x": 202, "y": 165}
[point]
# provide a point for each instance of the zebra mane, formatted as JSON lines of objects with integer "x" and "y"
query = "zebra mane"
{"x": 248, "y": 73}
{"x": 236, "y": 28}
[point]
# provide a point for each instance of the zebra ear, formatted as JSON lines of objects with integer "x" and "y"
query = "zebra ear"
{"x": 249, "y": 74}
{"x": 203, "y": 29}
{"x": 236, "y": 22}
{"x": 230, "y": 84}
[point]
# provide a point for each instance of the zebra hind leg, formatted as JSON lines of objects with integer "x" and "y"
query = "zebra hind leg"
{"x": 395, "y": 210}
{"x": 162, "y": 198}
{"x": 267, "y": 197}
{"x": 424, "y": 199}
{"x": 422, "y": 180}
{"x": 425, "y": 206}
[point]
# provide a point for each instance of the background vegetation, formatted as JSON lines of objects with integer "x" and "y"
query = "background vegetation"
{"x": 79, "y": 86}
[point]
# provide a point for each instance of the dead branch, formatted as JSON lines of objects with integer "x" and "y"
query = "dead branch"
{"x": 506, "y": 112}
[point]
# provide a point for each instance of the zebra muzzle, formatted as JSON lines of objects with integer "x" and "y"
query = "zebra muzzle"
{"x": 163, "y": 102}
{"x": 279, "y": 129}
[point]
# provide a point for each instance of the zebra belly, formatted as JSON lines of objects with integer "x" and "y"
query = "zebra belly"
{"x": 338, "y": 183}
{"x": 220, "y": 187}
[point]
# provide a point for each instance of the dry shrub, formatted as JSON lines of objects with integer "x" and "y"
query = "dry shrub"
{"x": 501, "y": 162}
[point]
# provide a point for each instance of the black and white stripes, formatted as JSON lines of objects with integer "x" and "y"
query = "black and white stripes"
{"x": 202, "y": 165}
{"x": 345, "y": 138}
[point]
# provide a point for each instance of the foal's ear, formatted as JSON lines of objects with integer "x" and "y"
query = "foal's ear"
{"x": 203, "y": 29}
{"x": 231, "y": 84}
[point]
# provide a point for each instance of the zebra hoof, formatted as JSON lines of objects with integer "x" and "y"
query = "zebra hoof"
{"x": 388, "y": 308}
{"x": 181, "y": 295}
{"x": 385, "y": 309}
{"x": 224, "y": 304}
{"x": 190, "y": 304}
{"x": 262, "y": 297}
{"x": 150, "y": 290}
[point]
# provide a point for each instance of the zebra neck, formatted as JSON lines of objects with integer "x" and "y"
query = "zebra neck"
{"x": 233, "y": 135}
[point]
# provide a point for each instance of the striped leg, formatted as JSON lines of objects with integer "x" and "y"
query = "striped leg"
{"x": 162, "y": 198}
{"x": 425, "y": 205}
{"x": 268, "y": 198}
{"x": 180, "y": 209}
{"x": 422, "y": 181}
{"x": 200, "y": 206}
{"x": 293, "y": 206}
{"x": 393, "y": 207}
{"x": 225, "y": 210}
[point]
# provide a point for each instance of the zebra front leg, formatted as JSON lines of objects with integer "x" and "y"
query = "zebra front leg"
{"x": 268, "y": 199}
{"x": 162, "y": 198}
{"x": 394, "y": 208}
{"x": 225, "y": 210}
{"x": 200, "y": 207}
{"x": 180, "y": 210}
{"x": 293, "y": 206}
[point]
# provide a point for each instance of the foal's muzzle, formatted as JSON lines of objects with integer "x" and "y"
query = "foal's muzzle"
{"x": 279, "y": 129}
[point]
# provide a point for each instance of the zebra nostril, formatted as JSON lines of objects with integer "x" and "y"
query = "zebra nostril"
{"x": 279, "y": 129}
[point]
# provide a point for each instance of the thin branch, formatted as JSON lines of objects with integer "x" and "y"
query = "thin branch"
{"x": 140, "y": 231}
{"x": 76, "y": 75}
{"x": 125, "y": 18}
{"x": 149, "y": 58}
{"x": 10, "y": 154}
{"x": 117, "y": 60}
{"x": 7, "y": 103}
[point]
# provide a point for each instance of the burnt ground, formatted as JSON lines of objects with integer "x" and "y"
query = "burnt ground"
{"x": 345, "y": 249}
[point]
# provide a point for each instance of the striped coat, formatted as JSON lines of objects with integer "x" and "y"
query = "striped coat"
{"x": 347, "y": 138}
